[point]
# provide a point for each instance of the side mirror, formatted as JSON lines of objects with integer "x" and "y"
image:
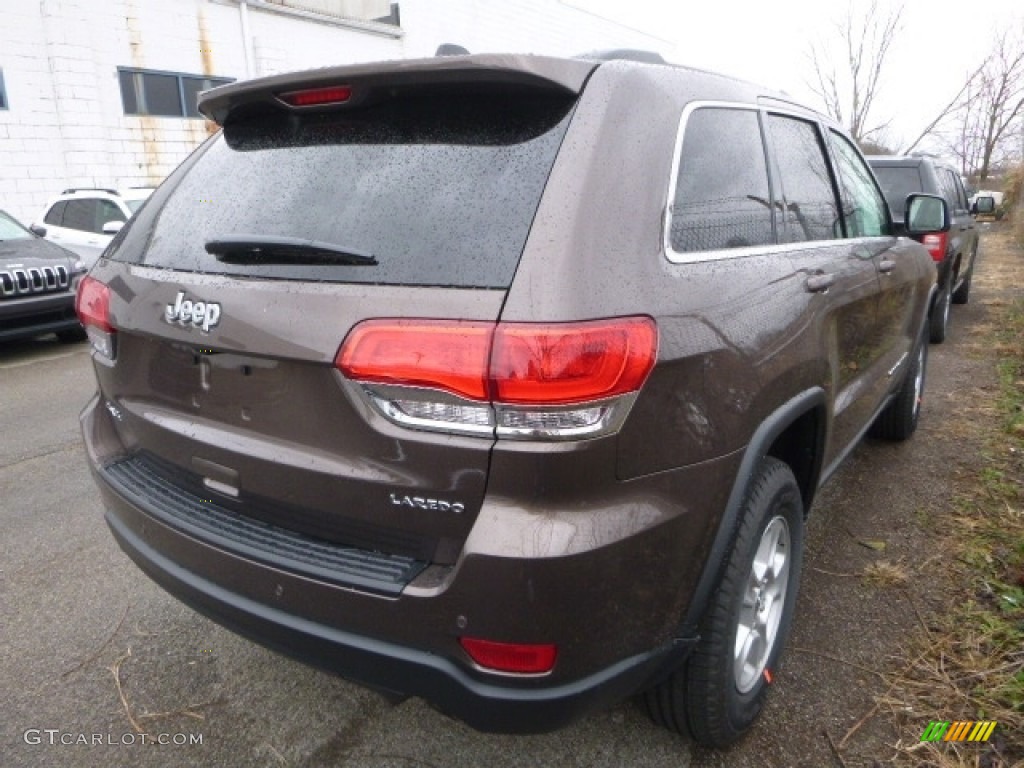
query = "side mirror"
{"x": 927, "y": 214}
{"x": 37, "y": 230}
{"x": 112, "y": 227}
{"x": 985, "y": 204}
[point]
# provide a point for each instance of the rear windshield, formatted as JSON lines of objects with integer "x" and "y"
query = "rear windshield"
{"x": 897, "y": 183}
{"x": 440, "y": 188}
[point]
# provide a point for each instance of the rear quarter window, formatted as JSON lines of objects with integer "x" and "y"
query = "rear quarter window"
{"x": 440, "y": 187}
{"x": 722, "y": 197}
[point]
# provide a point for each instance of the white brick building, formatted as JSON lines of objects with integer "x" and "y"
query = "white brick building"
{"x": 101, "y": 92}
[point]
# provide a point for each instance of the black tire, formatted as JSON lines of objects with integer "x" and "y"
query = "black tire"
{"x": 938, "y": 320}
{"x": 72, "y": 335}
{"x": 963, "y": 294}
{"x": 899, "y": 419}
{"x": 708, "y": 698}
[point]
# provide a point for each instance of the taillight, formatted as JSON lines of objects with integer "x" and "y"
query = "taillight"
{"x": 92, "y": 304}
{"x": 514, "y": 658}
{"x": 445, "y": 355}
{"x": 317, "y": 97}
{"x": 936, "y": 245}
{"x": 571, "y": 363}
{"x": 526, "y": 380}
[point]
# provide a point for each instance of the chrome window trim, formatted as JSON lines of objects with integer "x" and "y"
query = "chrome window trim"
{"x": 721, "y": 254}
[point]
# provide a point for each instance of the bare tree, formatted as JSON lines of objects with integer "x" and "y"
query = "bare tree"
{"x": 849, "y": 90}
{"x": 994, "y": 105}
{"x": 955, "y": 105}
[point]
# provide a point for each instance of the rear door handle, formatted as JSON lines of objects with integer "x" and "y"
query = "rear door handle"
{"x": 885, "y": 266}
{"x": 820, "y": 283}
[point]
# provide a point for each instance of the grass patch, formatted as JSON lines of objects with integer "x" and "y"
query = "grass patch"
{"x": 969, "y": 665}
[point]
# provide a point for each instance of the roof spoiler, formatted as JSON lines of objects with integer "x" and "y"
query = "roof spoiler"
{"x": 360, "y": 80}
{"x": 624, "y": 54}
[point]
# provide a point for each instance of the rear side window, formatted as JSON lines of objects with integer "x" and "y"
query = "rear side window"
{"x": 959, "y": 196}
{"x": 107, "y": 211}
{"x": 55, "y": 215}
{"x": 898, "y": 182}
{"x": 81, "y": 215}
{"x": 722, "y": 195}
{"x": 863, "y": 206}
{"x": 439, "y": 186}
{"x": 946, "y": 186}
{"x": 809, "y": 201}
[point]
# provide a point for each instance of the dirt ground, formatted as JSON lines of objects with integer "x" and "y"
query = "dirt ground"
{"x": 889, "y": 508}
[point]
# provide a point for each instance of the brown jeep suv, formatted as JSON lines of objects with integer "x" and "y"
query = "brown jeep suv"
{"x": 504, "y": 381}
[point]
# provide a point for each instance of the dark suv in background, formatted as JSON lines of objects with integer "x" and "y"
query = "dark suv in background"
{"x": 504, "y": 381}
{"x": 954, "y": 251}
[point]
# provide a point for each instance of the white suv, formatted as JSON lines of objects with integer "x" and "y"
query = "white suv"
{"x": 86, "y": 220}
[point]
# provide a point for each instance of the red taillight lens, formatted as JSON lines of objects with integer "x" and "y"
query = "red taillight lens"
{"x": 571, "y": 362}
{"x": 526, "y": 381}
{"x": 317, "y": 97}
{"x": 531, "y": 364}
{"x": 442, "y": 354}
{"x": 517, "y": 658}
{"x": 92, "y": 304}
{"x": 936, "y": 245}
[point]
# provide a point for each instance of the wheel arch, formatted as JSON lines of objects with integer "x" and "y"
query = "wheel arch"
{"x": 793, "y": 433}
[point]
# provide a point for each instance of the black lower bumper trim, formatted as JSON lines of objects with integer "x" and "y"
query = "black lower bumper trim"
{"x": 486, "y": 706}
{"x": 137, "y": 481}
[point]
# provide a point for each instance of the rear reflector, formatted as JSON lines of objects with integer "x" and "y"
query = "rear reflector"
{"x": 515, "y": 658}
{"x": 317, "y": 97}
{"x": 936, "y": 245}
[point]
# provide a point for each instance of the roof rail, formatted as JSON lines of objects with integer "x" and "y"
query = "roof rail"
{"x": 624, "y": 54}
{"x": 88, "y": 189}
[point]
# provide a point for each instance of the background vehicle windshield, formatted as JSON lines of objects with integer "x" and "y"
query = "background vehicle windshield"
{"x": 12, "y": 230}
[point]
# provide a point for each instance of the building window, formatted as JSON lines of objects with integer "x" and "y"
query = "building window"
{"x": 165, "y": 94}
{"x": 3, "y": 91}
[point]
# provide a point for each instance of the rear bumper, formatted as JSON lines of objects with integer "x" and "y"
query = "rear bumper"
{"x": 612, "y": 610}
{"x": 391, "y": 667}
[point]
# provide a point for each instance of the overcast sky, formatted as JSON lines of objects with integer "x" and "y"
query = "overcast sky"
{"x": 941, "y": 42}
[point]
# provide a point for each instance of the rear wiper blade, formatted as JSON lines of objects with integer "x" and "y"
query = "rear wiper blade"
{"x": 264, "y": 249}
